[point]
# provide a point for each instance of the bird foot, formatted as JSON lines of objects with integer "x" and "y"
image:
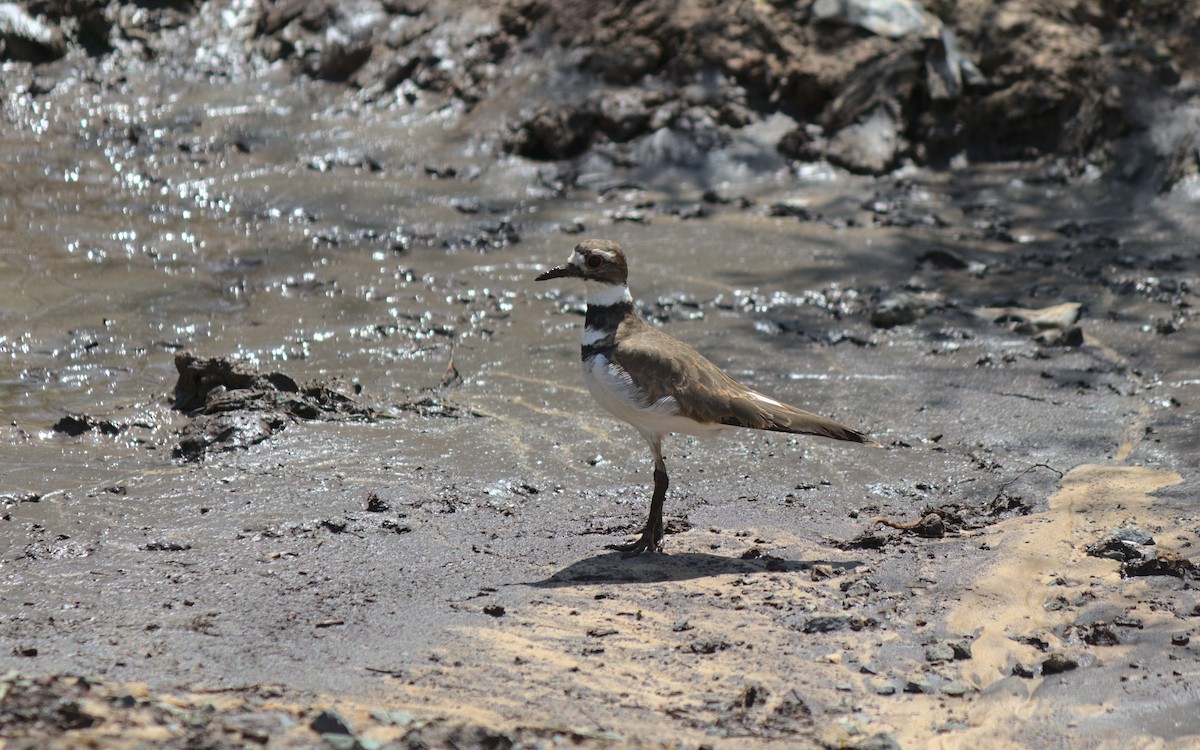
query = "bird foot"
{"x": 649, "y": 541}
{"x": 633, "y": 548}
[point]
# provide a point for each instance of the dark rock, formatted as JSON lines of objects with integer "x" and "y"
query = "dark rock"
{"x": 710, "y": 646}
{"x": 331, "y": 721}
{"x": 791, "y": 210}
{"x": 337, "y": 59}
{"x": 932, "y": 526}
{"x": 939, "y": 652}
{"x": 1133, "y": 534}
{"x": 943, "y": 259}
{"x": 1098, "y": 634}
{"x": 919, "y": 685}
{"x": 1057, "y": 664}
{"x": 961, "y": 649}
{"x": 165, "y": 547}
{"x": 866, "y": 540}
{"x": 827, "y": 623}
{"x": 554, "y": 133}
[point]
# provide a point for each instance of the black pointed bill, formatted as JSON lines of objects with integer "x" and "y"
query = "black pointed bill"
{"x": 566, "y": 270}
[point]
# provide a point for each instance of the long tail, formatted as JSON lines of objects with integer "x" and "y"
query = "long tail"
{"x": 764, "y": 413}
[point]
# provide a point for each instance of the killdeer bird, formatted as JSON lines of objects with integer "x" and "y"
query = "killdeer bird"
{"x": 661, "y": 385}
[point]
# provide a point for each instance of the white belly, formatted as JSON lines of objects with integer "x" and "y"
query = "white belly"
{"x": 614, "y": 390}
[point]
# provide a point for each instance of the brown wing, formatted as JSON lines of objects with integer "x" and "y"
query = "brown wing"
{"x": 668, "y": 367}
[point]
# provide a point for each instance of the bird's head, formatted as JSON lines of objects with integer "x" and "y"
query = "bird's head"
{"x": 601, "y": 261}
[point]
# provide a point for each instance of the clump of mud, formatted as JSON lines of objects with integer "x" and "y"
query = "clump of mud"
{"x": 232, "y": 407}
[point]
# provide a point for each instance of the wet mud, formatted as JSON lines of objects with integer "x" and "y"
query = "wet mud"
{"x": 295, "y": 453}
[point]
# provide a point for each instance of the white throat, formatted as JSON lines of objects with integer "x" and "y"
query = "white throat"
{"x": 603, "y": 295}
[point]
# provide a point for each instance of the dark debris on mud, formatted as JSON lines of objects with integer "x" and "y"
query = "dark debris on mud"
{"x": 232, "y": 407}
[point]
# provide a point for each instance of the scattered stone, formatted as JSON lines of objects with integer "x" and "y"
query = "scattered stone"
{"x": 495, "y": 610}
{"x": 865, "y": 540}
{"x": 919, "y": 686}
{"x": 872, "y": 146}
{"x": 1056, "y": 603}
{"x": 1020, "y": 670}
{"x": 961, "y": 649}
{"x": 793, "y": 210}
{"x": 884, "y": 688}
{"x": 165, "y": 547}
{"x": 899, "y": 309}
{"x": 956, "y": 688}
{"x": 376, "y": 504}
{"x": 1098, "y": 634}
{"x": 1058, "y": 663}
{"x": 931, "y": 527}
{"x": 943, "y": 259}
{"x": 939, "y": 652}
{"x": 1114, "y": 549}
{"x": 827, "y": 624}
{"x": 1133, "y": 534}
{"x": 710, "y": 646}
{"x": 1177, "y": 639}
{"x": 880, "y": 741}
{"x": 553, "y": 133}
{"x": 331, "y": 721}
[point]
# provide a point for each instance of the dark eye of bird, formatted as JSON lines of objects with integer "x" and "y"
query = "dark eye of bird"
{"x": 594, "y": 261}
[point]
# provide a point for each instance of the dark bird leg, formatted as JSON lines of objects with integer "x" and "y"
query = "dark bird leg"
{"x": 652, "y": 533}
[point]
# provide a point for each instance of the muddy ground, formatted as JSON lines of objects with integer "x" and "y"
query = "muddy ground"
{"x": 295, "y": 453}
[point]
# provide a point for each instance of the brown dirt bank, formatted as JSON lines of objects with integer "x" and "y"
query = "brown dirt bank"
{"x": 868, "y": 86}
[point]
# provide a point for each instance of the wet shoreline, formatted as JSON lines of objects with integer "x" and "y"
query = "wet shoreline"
{"x": 1023, "y": 344}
